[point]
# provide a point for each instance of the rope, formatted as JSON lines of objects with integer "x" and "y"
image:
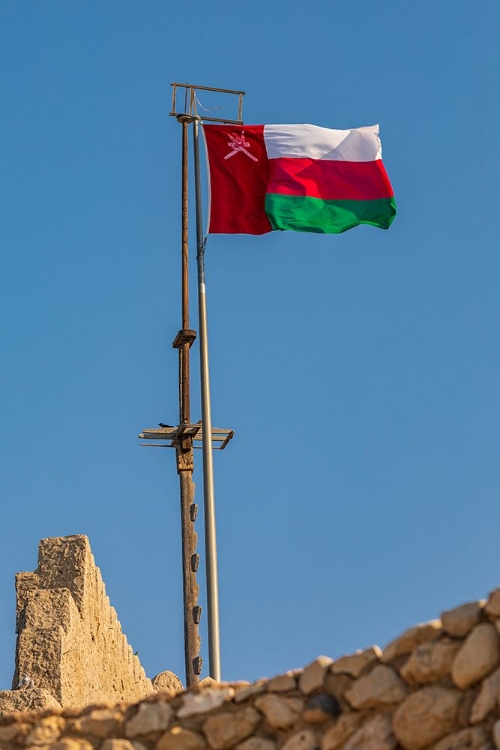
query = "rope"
{"x": 207, "y": 109}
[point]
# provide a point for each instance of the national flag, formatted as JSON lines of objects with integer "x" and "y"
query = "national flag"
{"x": 300, "y": 177}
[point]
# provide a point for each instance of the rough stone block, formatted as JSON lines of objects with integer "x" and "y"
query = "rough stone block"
{"x": 45, "y": 732}
{"x": 167, "y": 682}
{"x": 426, "y": 716}
{"x": 313, "y": 676}
{"x": 280, "y": 713}
{"x": 33, "y": 699}
{"x": 467, "y": 739}
{"x": 98, "y": 722}
{"x": 47, "y": 608}
{"x": 282, "y": 683}
{"x": 223, "y": 730}
{"x": 496, "y": 734}
{"x": 65, "y": 562}
{"x": 346, "y": 725}
{"x": 492, "y": 606}
{"x": 375, "y": 734}
{"x": 179, "y": 738}
{"x": 478, "y": 656}
{"x": 38, "y": 655}
{"x": 459, "y": 621}
{"x": 355, "y": 664}
{"x": 194, "y": 704}
{"x": 303, "y": 740}
{"x": 410, "y": 639}
{"x": 380, "y": 687}
{"x": 486, "y": 699}
{"x": 256, "y": 743}
{"x": 150, "y": 718}
{"x": 72, "y": 743}
{"x": 430, "y": 662}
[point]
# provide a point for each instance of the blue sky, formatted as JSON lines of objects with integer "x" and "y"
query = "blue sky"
{"x": 360, "y": 372}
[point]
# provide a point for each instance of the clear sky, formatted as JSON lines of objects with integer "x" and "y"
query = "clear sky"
{"x": 360, "y": 372}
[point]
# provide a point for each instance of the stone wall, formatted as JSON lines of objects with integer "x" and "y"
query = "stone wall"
{"x": 437, "y": 686}
{"x": 70, "y": 645}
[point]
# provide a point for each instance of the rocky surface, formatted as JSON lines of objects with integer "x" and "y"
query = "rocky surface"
{"x": 435, "y": 687}
{"x": 70, "y": 649}
{"x": 70, "y": 642}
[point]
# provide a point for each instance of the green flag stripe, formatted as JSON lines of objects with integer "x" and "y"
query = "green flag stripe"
{"x": 305, "y": 214}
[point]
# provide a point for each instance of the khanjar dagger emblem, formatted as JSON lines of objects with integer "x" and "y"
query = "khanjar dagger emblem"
{"x": 238, "y": 143}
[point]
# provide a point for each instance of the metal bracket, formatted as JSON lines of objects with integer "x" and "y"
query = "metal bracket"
{"x": 185, "y": 336}
{"x": 190, "y": 101}
{"x": 220, "y": 436}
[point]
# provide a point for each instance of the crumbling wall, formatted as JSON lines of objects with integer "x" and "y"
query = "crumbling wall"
{"x": 70, "y": 643}
{"x": 435, "y": 687}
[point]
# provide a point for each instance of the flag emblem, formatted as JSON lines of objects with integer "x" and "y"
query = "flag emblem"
{"x": 239, "y": 144}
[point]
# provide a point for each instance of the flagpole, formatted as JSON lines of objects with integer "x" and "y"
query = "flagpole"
{"x": 184, "y": 436}
{"x": 184, "y": 446}
{"x": 208, "y": 472}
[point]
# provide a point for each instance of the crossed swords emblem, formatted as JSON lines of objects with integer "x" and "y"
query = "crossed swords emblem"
{"x": 238, "y": 144}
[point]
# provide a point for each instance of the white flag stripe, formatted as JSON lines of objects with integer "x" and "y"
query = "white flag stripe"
{"x": 313, "y": 142}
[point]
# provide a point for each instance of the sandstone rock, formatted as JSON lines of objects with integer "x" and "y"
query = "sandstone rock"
{"x": 99, "y": 722}
{"x": 32, "y": 699}
{"x": 282, "y": 683}
{"x": 239, "y": 686}
{"x": 179, "y": 738}
{"x": 167, "y": 682}
{"x": 204, "y": 701}
{"x": 280, "y": 713}
{"x": 478, "y": 656}
{"x": 375, "y": 734}
{"x": 313, "y": 676}
{"x": 11, "y": 731}
{"x": 379, "y": 688}
{"x": 226, "y": 729}
{"x": 72, "y": 743}
{"x": 465, "y": 706}
{"x": 207, "y": 682}
{"x": 496, "y": 734}
{"x": 460, "y": 620}
{"x": 410, "y": 639}
{"x": 258, "y": 688}
{"x": 356, "y": 663}
{"x": 335, "y": 737}
{"x": 467, "y": 739}
{"x": 486, "y": 699}
{"x": 338, "y": 685}
{"x": 492, "y": 606}
{"x": 256, "y": 743}
{"x": 45, "y": 732}
{"x": 151, "y": 717}
{"x": 426, "y": 716}
{"x": 320, "y": 708}
{"x": 120, "y": 744}
{"x": 304, "y": 740}
{"x": 430, "y": 662}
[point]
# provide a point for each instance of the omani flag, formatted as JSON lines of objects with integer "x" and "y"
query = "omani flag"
{"x": 300, "y": 177}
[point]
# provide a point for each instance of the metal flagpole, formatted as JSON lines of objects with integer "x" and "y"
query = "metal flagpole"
{"x": 206, "y": 416}
{"x": 184, "y": 448}
{"x": 187, "y": 435}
